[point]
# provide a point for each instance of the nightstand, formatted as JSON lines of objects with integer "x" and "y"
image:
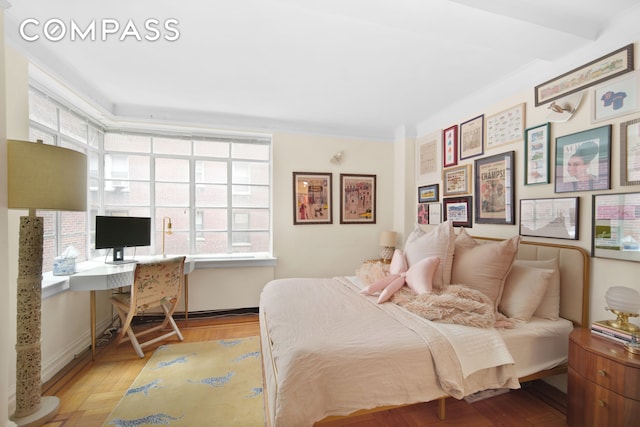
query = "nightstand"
{"x": 604, "y": 382}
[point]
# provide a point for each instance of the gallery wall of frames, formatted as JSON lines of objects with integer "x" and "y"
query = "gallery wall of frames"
{"x": 473, "y": 180}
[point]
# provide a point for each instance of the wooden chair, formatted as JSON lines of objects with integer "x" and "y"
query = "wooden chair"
{"x": 155, "y": 284}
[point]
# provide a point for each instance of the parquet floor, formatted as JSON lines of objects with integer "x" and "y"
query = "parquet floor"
{"x": 89, "y": 390}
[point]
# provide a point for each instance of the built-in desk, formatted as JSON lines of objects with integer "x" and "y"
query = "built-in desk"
{"x": 98, "y": 276}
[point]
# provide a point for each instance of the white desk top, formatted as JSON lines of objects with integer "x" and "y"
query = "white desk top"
{"x": 97, "y": 275}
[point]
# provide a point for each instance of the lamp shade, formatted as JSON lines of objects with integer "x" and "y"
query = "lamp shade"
{"x": 623, "y": 299}
{"x": 42, "y": 176}
{"x": 388, "y": 238}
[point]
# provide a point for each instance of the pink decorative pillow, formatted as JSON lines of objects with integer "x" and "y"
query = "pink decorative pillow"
{"x": 420, "y": 276}
{"x": 440, "y": 242}
{"x": 398, "y": 263}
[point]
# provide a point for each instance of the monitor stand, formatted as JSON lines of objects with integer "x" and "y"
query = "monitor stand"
{"x": 118, "y": 257}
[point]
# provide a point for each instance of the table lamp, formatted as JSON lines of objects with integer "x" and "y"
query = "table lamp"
{"x": 39, "y": 176}
{"x": 624, "y": 302}
{"x": 387, "y": 245}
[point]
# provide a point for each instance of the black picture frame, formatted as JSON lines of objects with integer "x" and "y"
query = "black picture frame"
{"x": 495, "y": 189}
{"x": 428, "y": 193}
{"x": 615, "y": 226}
{"x": 459, "y": 210}
{"x": 583, "y": 161}
{"x": 357, "y": 199}
{"x": 557, "y": 217}
{"x": 312, "y": 198}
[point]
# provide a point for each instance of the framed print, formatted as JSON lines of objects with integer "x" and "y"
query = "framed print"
{"x": 616, "y": 98}
{"x": 459, "y": 210}
{"x": 357, "y": 199}
{"x": 456, "y": 180}
{"x": 494, "y": 189}
{"x": 428, "y": 158}
{"x": 450, "y": 146}
{"x": 630, "y": 152}
{"x": 553, "y": 217}
{"x": 505, "y": 127}
{"x": 428, "y": 193}
{"x": 616, "y": 226}
{"x": 582, "y": 160}
{"x": 471, "y": 136}
{"x": 536, "y": 162}
{"x": 312, "y": 202}
{"x": 607, "y": 67}
{"x": 428, "y": 213}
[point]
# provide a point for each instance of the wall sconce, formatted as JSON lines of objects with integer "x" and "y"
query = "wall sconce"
{"x": 562, "y": 109}
{"x": 166, "y": 223}
{"x": 337, "y": 158}
{"x": 387, "y": 245}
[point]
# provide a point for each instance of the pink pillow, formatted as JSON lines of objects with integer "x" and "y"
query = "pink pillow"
{"x": 392, "y": 288}
{"x": 420, "y": 276}
{"x": 398, "y": 263}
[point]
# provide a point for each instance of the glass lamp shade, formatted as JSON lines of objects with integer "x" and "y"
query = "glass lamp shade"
{"x": 623, "y": 299}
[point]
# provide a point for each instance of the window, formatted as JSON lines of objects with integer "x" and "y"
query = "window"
{"x": 215, "y": 189}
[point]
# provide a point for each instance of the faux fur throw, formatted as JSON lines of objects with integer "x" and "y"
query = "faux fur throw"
{"x": 453, "y": 304}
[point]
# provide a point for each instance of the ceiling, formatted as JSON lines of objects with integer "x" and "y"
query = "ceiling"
{"x": 359, "y": 68}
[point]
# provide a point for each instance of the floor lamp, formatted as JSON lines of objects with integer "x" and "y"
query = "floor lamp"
{"x": 39, "y": 176}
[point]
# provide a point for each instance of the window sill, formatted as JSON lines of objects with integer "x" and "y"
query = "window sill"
{"x": 54, "y": 285}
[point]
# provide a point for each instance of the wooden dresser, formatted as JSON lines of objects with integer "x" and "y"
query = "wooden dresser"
{"x": 604, "y": 382}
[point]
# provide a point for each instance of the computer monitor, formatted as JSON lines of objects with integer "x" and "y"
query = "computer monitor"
{"x": 119, "y": 232}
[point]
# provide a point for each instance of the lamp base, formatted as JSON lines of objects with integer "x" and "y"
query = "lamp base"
{"x": 48, "y": 409}
{"x": 622, "y": 321}
{"x": 386, "y": 253}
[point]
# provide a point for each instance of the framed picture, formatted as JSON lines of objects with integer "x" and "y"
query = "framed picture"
{"x": 607, "y": 67}
{"x": 582, "y": 160}
{"x": 450, "y": 146}
{"x": 494, "y": 189}
{"x": 505, "y": 127}
{"x": 429, "y": 213}
{"x": 428, "y": 193}
{"x": 312, "y": 202}
{"x": 630, "y": 152}
{"x": 471, "y": 137}
{"x": 616, "y": 226}
{"x": 456, "y": 180}
{"x": 554, "y": 217}
{"x": 357, "y": 199}
{"x": 459, "y": 210}
{"x": 536, "y": 163}
{"x": 428, "y": 158}
{"x": 616, "y": 98}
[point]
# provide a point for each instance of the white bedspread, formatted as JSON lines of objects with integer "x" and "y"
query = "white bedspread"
{"x": 330, "y": 351}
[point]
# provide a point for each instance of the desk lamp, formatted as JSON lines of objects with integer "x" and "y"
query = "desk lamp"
{"x": 39, "y": 176}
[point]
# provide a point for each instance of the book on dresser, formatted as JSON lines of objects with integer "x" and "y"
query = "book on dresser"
{"x": 603, "y": 329}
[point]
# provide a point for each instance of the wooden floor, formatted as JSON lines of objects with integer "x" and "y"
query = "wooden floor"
{"x": 89, "y": 390}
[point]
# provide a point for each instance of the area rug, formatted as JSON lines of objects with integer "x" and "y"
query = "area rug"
{"x": 214, "y": 383}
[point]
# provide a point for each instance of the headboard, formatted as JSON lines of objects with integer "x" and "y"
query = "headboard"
{"x": 574, "y": 275}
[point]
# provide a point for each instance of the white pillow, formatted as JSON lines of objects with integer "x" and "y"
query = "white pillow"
{"x": 439, "y": 242}
{"x": 549, "y": 307}
{"x": 524, "y": 289}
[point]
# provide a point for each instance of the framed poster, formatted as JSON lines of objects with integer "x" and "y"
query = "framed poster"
{"x": 428, "y": 158}
{"x": 434, "y": 213}
{"x": 630, "y": 152}
{"x": 536, "y": 163}
{"x": 459, "y": 210}
{"x": 505, "y": 127}
{"x": 607, "y": 67}
{"x": 456, "y": 180}
{"x": 616, "y": 98}
{"x": 494, "y": 189}
{"x": 450, "y": 146}
{"x": 557, "y": 218}
{"x": 312, "y": 202}
{"x": 428, "y": 193}
{"x": 616, "y": 226}
{"x": 471, "y": 137}
{"x": 357, "y": 199}
{"x": 582, "y": 160}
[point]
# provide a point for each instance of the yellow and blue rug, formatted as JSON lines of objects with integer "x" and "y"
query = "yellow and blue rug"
{"x": 214, "y": 383}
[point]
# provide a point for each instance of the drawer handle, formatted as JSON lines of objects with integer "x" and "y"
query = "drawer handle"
{"x": 602, "y": 403}
{"x": 602, "y": 372}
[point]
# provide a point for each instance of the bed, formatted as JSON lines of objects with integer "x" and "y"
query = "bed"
{"x": 329, "y": 350}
